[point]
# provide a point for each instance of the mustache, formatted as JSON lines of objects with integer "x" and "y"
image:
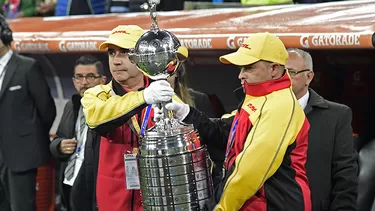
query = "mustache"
{"x": 84, "y": 88}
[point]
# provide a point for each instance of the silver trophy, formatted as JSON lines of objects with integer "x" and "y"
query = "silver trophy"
{"x": 174, "y": 167}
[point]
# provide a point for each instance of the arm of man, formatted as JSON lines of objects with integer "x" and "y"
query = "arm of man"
{"x": 104, "y": 111}
{"x": 62, "y": 148}
{"x": 213, "y": 132}
{"x": 41, "y": 95}
{"x": 344, "y": 165}
{"x": 61, "y": 135}
{"x": 262, "y": 155}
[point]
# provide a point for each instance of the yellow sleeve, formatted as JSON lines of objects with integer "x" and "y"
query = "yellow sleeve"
{"x": 101, "y": 107}
{"x": 225, "y": 116}
{"x": 263, "y": 153}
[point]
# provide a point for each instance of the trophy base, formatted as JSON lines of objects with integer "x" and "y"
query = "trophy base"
{"x": 174, "y": 168}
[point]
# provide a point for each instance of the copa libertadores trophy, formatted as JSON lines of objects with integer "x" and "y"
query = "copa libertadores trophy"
{"x": 174, "y": 167}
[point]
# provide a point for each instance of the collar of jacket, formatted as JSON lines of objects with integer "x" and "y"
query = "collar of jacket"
{"x": 267, "y": 87}
{"x": 120, "y": 90}
{"x": 315, "y": 100}
{"x": 76, "y": 100}
{"x": 76, "y": 103}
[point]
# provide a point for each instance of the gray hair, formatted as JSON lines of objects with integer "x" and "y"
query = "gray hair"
{"x": 305, "y": 55}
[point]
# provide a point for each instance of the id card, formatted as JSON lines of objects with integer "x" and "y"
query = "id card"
{"x": 131, "y": 172}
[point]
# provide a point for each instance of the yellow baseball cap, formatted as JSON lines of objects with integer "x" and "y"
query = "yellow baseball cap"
{"x": 183, "y": 53}
{"x": 260, "y": 46}
{"x": 123, "y": 36}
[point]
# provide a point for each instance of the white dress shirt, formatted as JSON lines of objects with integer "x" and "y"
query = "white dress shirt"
{"x": 3, "y": 63}
{"x": 80, "y": 154}
{"x": 304, "y": 99}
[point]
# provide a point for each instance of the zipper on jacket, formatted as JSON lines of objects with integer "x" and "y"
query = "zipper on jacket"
{"x": 133, "y": 137}
{"x": 132, "y": 145}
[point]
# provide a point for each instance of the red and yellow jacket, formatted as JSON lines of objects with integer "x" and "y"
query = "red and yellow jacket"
{"x": 116, "y": 114}
{"x": 266, "y": 150}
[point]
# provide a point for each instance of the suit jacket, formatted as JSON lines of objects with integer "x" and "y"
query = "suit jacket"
{"x": 83, "y": 190}
{"x": 27, "y": 111}
{"x": 331, "y": 161}
{"x": 366, "y": 177}
{"x": 202, "y": 102}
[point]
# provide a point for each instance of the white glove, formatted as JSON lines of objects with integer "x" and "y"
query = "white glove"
{"x": 181, "y": 110}
{"x": 157, "y": 92}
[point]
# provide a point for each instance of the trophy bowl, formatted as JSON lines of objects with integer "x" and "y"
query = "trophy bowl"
{"x": 157, "y": 54}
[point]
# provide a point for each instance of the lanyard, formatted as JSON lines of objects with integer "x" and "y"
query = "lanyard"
{"x": 145, "y": 120}
{"x": 134, "y": 122}
{"x": 231, "y": 139}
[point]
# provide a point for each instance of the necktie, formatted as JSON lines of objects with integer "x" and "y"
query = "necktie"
{"x": 69, "y": 170}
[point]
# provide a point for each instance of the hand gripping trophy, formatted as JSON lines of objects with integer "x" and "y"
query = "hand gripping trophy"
{"x": 174, "y": 167}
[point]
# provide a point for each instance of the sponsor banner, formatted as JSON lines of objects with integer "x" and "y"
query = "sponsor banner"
{"x": 31, "y": 47}
{"x": 78, "y": 46}
{"x": 197, "y": 43}
{"x": 314, "y": 40}
{"x": 340, "y": 40}
{"x": 202, "y": 42}
{"x": 55, "y": 46}
{"x": 234, "y": 42}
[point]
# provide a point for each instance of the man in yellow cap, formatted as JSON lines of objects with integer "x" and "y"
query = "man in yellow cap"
{"x": 265, "y": 138}
{"x": 116, "y": 111}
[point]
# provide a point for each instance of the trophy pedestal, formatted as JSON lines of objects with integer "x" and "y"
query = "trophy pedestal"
{"x": 174, "y": 168}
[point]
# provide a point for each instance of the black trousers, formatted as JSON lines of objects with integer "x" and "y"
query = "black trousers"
{"x": 66, "y": 192}
{"x": 19, "y": 189}
{"x": 77, "y": 197}
{"x": 4, "y": 205}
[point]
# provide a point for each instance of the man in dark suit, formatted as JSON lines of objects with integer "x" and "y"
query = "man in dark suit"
{"x": 331, "y": 159}
{"x": 27, "y": 111}
{"x": 78, "y": 153}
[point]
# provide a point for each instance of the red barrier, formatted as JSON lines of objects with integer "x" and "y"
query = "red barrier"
{"x": 45, "y": 195}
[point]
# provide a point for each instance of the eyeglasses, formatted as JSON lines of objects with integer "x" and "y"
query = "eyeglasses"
{"x": 295, "y": 72}
{"x": 89, "y": 78}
